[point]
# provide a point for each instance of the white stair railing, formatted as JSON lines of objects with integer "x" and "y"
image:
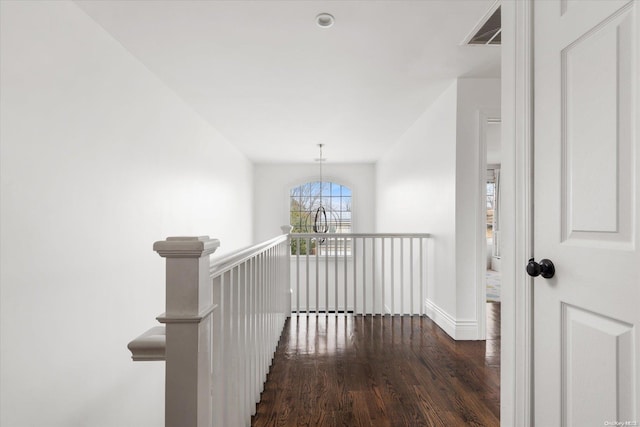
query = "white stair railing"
{"x": 224, "y": 316}
{"x": 370, "y": 274}
{"x": 223, "y": 321}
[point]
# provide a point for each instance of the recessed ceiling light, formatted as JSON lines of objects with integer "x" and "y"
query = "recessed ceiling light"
{"x": 324, "y": 20}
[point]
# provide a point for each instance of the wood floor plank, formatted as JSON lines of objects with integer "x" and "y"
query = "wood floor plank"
{"x": 345, "y": 370}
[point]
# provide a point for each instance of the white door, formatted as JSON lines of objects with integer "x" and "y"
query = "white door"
{"x": 586, "y": 212}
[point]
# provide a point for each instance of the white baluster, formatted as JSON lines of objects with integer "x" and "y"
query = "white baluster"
{"x": 382, "y": 277}
{"x": 355, "y": 279}
{"x": 246, "y": 367}
{"x": 336, "y": 247}
{"x": 364, "y": 276}
{"x": 373, "y": 276}
{"x": 317, "y": 276}
{"x": 298, "y": 242}
{"x": 217, "y": 346}
{"x": 308, "y": 249}
{"x": 346, "y": 287}
{"x": 411, "y": 300}
{"x": 326, "y": 276}
{"x": 421, "y": 277}
{"x": 402, "y": 309}
{"x": 393, "y": 291}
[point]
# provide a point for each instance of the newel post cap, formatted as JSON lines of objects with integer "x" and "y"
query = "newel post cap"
{"x": 186, "y": 247}
{"x": 286, "y": 229}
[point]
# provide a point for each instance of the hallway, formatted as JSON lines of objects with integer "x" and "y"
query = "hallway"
{"x": 381, "y": 371}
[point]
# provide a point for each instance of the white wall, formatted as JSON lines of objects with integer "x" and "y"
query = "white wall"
{"x": 98, "y": 160}
{"x": 493, "y": 139}
{"x": 416, "y": 185}
{"x": 429, "y": 182}
{"x": 475, "y": 96}
{"x": 272, "y": 182}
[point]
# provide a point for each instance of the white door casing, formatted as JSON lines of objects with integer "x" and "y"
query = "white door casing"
{"x": 586, "y": 212}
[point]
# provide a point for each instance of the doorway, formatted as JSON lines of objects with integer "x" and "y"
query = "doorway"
{"x": 488, "y": 237}
{"x": 493, "y": 160}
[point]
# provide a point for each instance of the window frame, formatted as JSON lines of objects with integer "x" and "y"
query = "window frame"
{"x": 337, "y": 221}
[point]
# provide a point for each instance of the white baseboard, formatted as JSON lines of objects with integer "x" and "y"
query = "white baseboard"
{"x": 462, "y": 330}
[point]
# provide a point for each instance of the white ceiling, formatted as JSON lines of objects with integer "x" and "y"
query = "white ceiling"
{"x": 275, "y": 84}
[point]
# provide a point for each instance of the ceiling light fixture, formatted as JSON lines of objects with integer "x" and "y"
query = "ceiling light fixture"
{"x": 324, "y": 20}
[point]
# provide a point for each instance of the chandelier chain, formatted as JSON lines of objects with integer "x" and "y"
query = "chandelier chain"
{"x": 320, "y": 160}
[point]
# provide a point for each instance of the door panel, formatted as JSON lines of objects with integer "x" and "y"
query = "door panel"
{"x": 590, "y": 339}
{"x": 586, "y": 205}
{"x": 597, "y": 73}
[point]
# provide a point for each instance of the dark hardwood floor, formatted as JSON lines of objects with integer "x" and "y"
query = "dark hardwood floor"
{"x": 381, "y": 371}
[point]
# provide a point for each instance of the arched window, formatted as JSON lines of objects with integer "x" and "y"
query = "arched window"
{"x": 306, "y": 198}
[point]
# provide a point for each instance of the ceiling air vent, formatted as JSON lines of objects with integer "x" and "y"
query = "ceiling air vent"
{"x": 488, "y": 31}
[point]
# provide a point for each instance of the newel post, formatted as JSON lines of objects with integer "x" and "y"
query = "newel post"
{"x": 189, "y": 304}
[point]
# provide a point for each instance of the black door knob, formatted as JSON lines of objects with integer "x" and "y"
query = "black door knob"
{"x": 545, "y": 268}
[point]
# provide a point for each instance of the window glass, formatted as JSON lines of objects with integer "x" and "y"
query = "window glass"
{"x": 304, "y": 201}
